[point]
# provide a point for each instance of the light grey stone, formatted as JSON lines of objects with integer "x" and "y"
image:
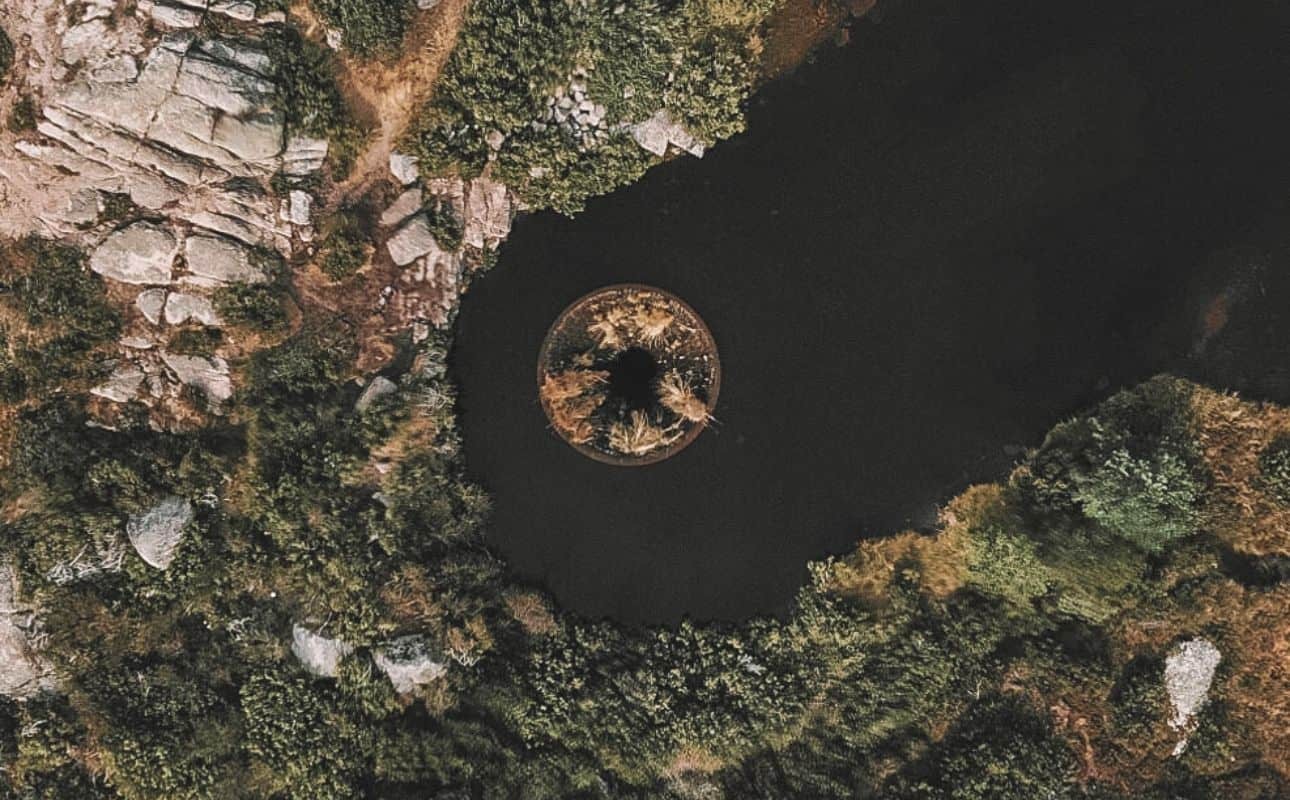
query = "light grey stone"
{"x": 181, "y": 308}
{"x": 122, "y": 385}
{"x": 241, "y": 10}
{"x": 410, "y": 662}
{"x": 413, "y": 240}
{"x": 176, "y": 17}
{"x": 426, "y": 5}
{"x": 156, "y": 533}
{"x": 378, "y": 388}
{"x": 319, "y": 655}
{"x": 404, "y": 206}
{"x": 82, "y": 207}
{"x": 660, "y": 131}
{"x": 404, "y": 168}
{"x": 221, "y": 260}
{"x": 141, "y": 253}
{"x": 209, "y": 375}
{"x": 137, "y": 342}
{"x": 241, "y": 53}
{"x": 150, "y": 304}
{"x": 300, "y": 207}
{"x": 304, "y": 156}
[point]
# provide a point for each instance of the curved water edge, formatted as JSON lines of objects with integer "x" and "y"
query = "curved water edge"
{"x": 928, "y": 248}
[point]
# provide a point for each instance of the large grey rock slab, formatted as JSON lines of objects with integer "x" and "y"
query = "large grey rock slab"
{"x": 122, "y": 385}
{"x": 404, "y": 206}
{"x": 23, "y": 673}
{"x": 410, "y": 662}
{"x": 210, "y": 375}
{"x": 181, "y": 308}
{"x": 411, "y": 241}
{"x": 319, "y": 655}
{"x": 141, "y": 253}
{"x": 429, "y": 290}
{"x": 156, "y": 533}
{"x": 219, "y": 260}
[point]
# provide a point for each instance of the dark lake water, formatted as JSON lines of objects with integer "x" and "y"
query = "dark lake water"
{"x": 929, "y": 247}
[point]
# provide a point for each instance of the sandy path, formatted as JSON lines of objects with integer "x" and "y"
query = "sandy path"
{"x": 388, "y": 94}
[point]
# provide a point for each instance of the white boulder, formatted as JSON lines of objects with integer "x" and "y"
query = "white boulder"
{"x": 156, "y": 532}
{"x": 410, "y": 663}
{"x": 319, "y": 655}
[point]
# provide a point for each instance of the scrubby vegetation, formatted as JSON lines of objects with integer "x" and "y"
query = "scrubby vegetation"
{"x": 6, "y": 57}
{"x": 1016, "y": 654}
{"x": 696, "y": 59}
{"x": 344, "y": 246}
{"x": 305, "y": 77}
{"x": 22, "y": 117}
{"x": 53, "y": 316}
{"x": 369, "y": 27}
{"x": 1275, "y": 464}
{"x": 257, "y": 306}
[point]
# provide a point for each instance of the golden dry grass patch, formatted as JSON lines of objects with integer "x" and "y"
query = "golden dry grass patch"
{"x": 1232, "y": 434}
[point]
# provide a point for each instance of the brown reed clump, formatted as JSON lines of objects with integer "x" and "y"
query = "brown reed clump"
{"x": 640, "y": 435}
{"x": 572, "y": 397}
{"x": 677, "y": 395}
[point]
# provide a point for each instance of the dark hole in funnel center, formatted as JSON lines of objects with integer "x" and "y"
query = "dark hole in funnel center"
{"x": 631, "y": 378}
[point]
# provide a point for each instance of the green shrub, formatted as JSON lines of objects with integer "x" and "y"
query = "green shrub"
{"x": 1274, "y": 468}
{"x": 6, "y": 57}
{"x": 1138, "y": 698}
{"x": 1132, "y": 466}
{"x": 259, "y": 306}
{"x": 65, "y": 313}
{"x": 50, "y": 284}
{"x": 1007, "y": 565}
{"x": 312, "y": 753}
{"x": 117, "y": 206}
{"x": 370, "y": 27}
{"x": 198, "y": 340}
{"x": 344, "y": 250}
{"x": 1000, "y": 749}
{"x": 305, "y": 76}
{"x": 22, "y": 117}
{"x": 445, "y": 225}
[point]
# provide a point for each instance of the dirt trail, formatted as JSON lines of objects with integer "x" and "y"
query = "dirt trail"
{"x": 388, "y": 94}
